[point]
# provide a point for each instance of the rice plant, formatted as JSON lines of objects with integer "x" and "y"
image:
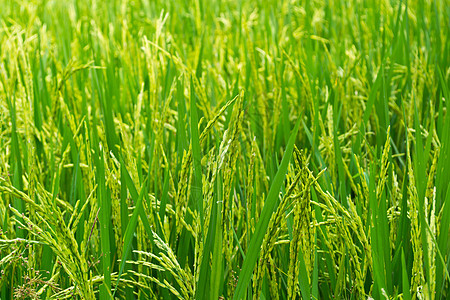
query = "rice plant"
{"x": 224, "y": 149}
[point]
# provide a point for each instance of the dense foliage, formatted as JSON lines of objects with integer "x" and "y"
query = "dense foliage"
{"x": 224, "y": 149}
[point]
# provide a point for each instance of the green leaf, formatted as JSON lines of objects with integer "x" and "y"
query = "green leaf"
{"x": 270, "y": 206}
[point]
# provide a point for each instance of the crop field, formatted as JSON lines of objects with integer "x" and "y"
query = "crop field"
{"x": 224, "y": 149}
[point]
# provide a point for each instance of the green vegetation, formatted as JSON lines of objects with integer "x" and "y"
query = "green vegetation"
{"x": 224, "y": 149}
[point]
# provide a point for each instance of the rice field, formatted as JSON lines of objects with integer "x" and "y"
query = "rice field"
{"x": 224, "y": 149}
